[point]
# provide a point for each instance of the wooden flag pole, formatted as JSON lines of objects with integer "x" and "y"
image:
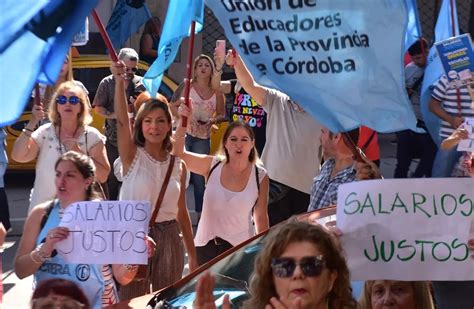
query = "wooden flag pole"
{"x": 189, "y": 70}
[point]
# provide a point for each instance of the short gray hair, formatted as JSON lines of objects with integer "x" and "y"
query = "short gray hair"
{"x": 128, "y": 54}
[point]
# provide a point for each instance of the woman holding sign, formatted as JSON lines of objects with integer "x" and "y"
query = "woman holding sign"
{"x": 36, "y": 255}
{"x": 152, "y": 174}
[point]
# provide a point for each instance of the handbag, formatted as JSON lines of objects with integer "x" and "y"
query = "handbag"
{"x": 143, "y": 269}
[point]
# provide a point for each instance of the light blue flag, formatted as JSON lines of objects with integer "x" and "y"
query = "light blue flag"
{"x": 177, "y": 26}
{"x": 413, "y": 32}
{"x": 127, "y": 17}
{"x": 339, "y": 59}
{"x": 35, "y": 36}
{"x": 434, "y": 68}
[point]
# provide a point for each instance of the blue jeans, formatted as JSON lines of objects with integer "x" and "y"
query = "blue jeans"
{"x": 444, "y": 162}
{"x": 201, "y": 146}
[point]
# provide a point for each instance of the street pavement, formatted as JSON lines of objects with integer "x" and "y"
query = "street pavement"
{"x": 17, "y": 293}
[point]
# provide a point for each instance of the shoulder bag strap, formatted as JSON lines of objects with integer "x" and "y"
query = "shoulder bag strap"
{"x": 162, "y": 191}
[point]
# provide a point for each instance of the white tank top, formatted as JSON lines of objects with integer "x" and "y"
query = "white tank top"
{"x": 227, "y": 214}
{"x": 144, "y": 180}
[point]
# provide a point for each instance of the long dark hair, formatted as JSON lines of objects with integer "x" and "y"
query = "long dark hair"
{"x": 85, "y": 166}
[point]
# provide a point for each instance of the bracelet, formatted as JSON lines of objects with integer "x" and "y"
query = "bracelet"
{"x": 26, "y": 132}
{"x": 130, "y": 267}
{"x": 38, "y": 256}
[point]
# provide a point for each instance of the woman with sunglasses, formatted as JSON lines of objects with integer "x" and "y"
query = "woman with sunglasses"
{"x": 36, "y": 255}
{"x": 69, "y": 129}
{"x": 300, "y": 266}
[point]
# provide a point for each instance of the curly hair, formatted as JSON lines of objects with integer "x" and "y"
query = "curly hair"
{"x": 262, "y": 287}
{"x": 421, "y": 295}
{"x": 145, "y": 106}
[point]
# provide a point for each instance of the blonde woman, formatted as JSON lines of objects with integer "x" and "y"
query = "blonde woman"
{"x": 69, "y": 129}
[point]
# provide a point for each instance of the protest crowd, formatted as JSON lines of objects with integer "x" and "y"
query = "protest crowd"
{"x": 269, "y": 168}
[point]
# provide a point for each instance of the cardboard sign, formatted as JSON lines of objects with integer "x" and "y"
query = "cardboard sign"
{"x": 408, "y": 229}
{"x": 106, "y": 232}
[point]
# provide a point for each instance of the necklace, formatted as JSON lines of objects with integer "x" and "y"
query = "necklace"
{"x": 60, "y": 148}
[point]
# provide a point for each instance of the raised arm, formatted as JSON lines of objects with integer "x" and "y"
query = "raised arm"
{"x": 127, "y": 149}
{"x": 255, "y": 90}
{"x": 25, "y": 148}
{"x": 216, "y": 83}
{"x": 196, "y": 163}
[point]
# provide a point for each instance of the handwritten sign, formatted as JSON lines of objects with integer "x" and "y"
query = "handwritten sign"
{"x": 341, "y": 60}
{"x": 410, "y": 229}
{"x": 106, "y": 232}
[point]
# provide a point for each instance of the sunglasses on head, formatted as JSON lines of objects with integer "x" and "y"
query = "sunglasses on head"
{"x": 311, "y": 266}
{"x": 62, "y": 99}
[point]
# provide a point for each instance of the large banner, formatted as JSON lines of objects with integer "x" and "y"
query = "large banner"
{"x": 106, "y": 232}
{"x": 410, "y": 229}
{"x": 340, "y": 59}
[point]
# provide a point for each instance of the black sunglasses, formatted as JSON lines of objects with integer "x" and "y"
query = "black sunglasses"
{"x": 311, "y": 266}
{"x": 62, "y": 99}
{"x": 134, "y": 69}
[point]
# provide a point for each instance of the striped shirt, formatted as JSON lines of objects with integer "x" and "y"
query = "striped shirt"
{"x": 448, "y": 97}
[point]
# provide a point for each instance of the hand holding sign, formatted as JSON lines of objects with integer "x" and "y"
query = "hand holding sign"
{"x": 105, "y": 232}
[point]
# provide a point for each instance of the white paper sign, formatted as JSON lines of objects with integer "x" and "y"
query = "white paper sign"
{"x": 468, "y": 144}
{"x": 106, "y": 232}
{"x": 407, "y": 229}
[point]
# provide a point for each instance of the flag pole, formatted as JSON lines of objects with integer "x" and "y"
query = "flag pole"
{"x": 453, "y": 26}
{"x": 105, "y": 36}
{"x": 187, "y": 81}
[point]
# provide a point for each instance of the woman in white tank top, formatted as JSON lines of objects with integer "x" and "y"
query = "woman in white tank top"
{"x": 146, "y": 156}
{"x": 236, "y": 191}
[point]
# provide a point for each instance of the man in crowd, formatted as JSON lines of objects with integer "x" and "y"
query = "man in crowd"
{"x": 452, "y": 105}
{"x": 104, "y": 106}
{"x": 412, "y": 144}
{"x": 337, "y": 169}
{"x": 292, "y": 153}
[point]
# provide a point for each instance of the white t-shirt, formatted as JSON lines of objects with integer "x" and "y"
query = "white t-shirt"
{"x": 144, "y": 180}
{"x": 50, "y": 150}
{"x": 227, "y": 214}
{"x": 292, "y": 153}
